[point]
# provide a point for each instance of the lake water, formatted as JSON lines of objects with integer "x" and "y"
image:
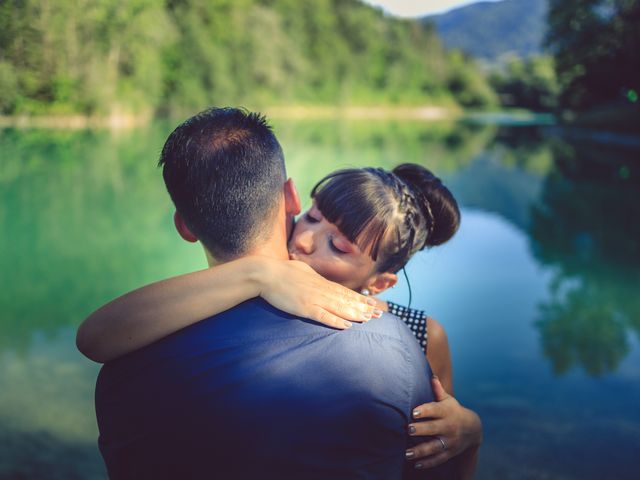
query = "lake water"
{"x": 539, "y": 290}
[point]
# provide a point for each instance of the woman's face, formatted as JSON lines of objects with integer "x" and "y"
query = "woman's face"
{"x": 318, "y": 243}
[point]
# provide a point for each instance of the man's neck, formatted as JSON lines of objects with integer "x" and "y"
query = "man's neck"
{"x": 271, "y": 249}
{"x": 272, "y": 245}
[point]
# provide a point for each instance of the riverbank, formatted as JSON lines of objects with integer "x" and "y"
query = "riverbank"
{"x": 75, "y": 122}
{"x": 426, "y": 112}
{"x": 296, "y": 112}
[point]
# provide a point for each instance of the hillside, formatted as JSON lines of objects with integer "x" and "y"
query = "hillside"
{"x": 163, "y": 57}
{"x": 490, "y": 30}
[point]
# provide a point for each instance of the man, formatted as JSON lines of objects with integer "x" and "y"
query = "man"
{"x": 254, "y": 392}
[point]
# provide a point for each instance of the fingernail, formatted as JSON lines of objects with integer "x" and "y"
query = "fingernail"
{"x": 377, "y": 312}
{"x": 409, "y": 454}
{"x": 418, "y": 466}
{"x": 416, "y": 413}
{"x": 347, "y": 324}
{"x": 412, "y": 430}
{"x": 367, "y": 316}
{"x": 371, "y": 301}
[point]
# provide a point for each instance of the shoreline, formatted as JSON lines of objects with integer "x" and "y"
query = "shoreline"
{"x": 383, "y": 112}
{"x": 298, "y": 112}
{"x": 427, "y": 113}
{"x": 75, "y": 121}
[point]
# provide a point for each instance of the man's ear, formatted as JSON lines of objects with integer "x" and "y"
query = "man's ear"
{"x": 379, "y": 282}
{"x": 292, "y": 204}
{"x": 182, "y": 228}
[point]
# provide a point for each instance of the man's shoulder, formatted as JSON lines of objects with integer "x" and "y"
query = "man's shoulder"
{"x": 255, "y": 321}
{"x": 256, "y": 339}
{"x": 254, "y": 335}
{"x": 391, "y": 327}
{"x": 387, "y": 324}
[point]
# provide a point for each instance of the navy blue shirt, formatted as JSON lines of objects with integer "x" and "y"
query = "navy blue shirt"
{"x": 257, "y": 393}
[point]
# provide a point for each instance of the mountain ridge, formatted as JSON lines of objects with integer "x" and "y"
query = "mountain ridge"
{"x": 492, "y": 31}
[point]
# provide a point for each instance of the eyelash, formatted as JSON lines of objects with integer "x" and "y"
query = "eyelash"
{"x": 335, "y": 249}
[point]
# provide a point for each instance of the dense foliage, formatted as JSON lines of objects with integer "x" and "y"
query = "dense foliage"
{"x": 596, "y": 44}
{"x": 97, "y": 57}
{"x": 529, "y": 83}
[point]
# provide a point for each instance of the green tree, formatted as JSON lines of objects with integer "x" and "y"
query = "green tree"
{"x": 101, "y": 57}
{"x": 596, "y": 45}
{"x": 467, "y": 84}
{"x": 530, "y": 83}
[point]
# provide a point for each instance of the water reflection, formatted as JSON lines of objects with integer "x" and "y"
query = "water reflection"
{"x": 583, "y": 225}
{"x": 83, "y": 217}
{"x": 47, "y": 425}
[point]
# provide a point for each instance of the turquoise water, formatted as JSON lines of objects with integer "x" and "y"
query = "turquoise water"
{"x": 538, "y": 291}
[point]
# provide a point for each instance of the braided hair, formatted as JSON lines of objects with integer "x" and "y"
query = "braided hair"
{"x": 390, "y": 215}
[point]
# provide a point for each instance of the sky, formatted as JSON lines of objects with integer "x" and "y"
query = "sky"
{"x": 418, "y": 8}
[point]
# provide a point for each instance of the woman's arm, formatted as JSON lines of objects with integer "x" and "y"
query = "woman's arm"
{"x": 459, "y": 428}
{"x": 439, "y": 355}
{"x": 150, "y": 313}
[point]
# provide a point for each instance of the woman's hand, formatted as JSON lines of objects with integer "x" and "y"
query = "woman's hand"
{"x": 294, "y": 287}
{"x": 453, "y": 428}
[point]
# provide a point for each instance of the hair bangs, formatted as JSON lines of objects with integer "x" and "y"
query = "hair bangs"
{"x": 356, "y": 206}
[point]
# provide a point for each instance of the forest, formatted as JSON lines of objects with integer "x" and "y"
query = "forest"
{"x": 163, "y": 57}
{"x": 94, "y": 57}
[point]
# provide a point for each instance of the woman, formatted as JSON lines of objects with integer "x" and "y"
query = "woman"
{"x": 362, "y": 228}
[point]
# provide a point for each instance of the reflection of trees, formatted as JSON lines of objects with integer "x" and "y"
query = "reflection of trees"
{"x": 314, "y": 147}
{"x": 586, "y": 225}
{"x": 582, "y": 327}
{"x": 84, "y": 217}
{"x": 525, "y": 147}
{"x": 506, "y": 177}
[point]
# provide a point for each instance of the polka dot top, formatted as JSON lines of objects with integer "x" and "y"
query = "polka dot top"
{"x": 416, "y": 320}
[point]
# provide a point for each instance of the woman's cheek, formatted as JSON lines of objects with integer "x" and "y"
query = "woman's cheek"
{"x": 335, "y": 272}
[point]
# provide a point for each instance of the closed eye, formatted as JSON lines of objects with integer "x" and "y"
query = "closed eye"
{"x": 310, "y": 219}
{"x": 335, "y": 249}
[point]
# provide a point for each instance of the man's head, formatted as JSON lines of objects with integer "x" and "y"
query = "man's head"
{"x": 224, "y": 170}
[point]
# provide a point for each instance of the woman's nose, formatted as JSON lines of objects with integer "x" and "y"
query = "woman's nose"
{"x": 304, "y": 242}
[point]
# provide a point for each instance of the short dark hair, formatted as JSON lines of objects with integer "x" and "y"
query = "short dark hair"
{"x": 224, "y": 170}
{"x": 390, "y": 215}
